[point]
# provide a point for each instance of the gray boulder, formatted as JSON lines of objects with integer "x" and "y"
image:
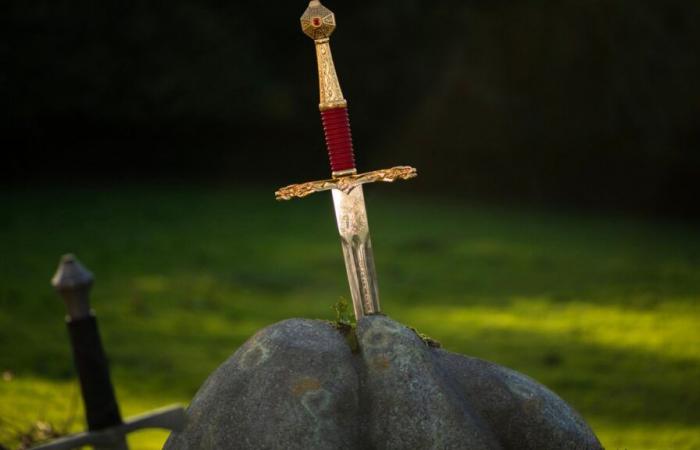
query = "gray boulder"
{"x": 303, "y": 384}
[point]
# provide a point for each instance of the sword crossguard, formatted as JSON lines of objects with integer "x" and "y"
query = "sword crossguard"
{"x": 171, "y": 418}
{"x": 346, "y": 183}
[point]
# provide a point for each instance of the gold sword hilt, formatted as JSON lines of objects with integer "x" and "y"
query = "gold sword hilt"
{"x": 318, "y": 22}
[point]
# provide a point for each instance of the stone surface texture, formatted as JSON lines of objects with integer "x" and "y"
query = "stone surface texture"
{"x": 298, "y": 385}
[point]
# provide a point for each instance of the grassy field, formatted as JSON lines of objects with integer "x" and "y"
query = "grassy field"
{"x": 603, "y": 310}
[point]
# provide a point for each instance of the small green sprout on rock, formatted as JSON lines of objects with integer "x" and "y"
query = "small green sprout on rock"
{"x": 344, "y": 323}
{"x": 342, "y": 312}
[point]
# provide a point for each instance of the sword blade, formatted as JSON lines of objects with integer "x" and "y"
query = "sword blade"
{"x": 351, "y": 216}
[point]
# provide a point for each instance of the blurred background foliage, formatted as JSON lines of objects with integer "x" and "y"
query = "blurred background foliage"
{"x": 587, "y": 103}
{"x": 557, "y": 144}
{"x": 603, "y": 310}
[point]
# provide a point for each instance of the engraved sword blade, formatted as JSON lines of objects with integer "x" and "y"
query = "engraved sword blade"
{"x": 353, "y": 227}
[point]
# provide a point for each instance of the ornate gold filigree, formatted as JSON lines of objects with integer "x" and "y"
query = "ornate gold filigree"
{"x": 347, "y": 183}
{"x": 331, "y": 96}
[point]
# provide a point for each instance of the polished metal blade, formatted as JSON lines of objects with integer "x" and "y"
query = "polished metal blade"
{"x": 351, "y": 216}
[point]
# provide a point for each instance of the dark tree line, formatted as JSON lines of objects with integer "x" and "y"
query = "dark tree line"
{"x": 586, "y": 103}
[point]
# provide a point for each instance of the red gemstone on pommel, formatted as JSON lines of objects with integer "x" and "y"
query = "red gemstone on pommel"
{"x": 336, "y": 126}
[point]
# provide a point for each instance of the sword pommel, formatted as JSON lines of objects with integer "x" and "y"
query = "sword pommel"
{"x": 73, "y": 282}
{"x": 318, "y": 22}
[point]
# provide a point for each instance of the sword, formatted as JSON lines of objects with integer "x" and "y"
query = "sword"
{"x": 318, "y": 22}
{"x": 106, "y": 430}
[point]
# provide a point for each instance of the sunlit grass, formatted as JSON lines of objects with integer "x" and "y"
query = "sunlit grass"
{"x": 603, "y": 310}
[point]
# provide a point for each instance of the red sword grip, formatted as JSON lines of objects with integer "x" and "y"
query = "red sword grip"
{"x": 336, "y": 126}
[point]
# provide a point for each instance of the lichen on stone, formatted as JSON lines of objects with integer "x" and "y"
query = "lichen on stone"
{"x": 430, "y": 342}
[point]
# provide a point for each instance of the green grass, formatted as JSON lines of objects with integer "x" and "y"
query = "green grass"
{"x": 604, "y": 310}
